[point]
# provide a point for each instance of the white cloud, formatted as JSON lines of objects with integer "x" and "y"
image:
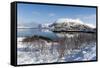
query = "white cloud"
{"x": 20, "y": 26}
{"x": 88, "y": 19}
{"x": 51, "y": 14}
{"x": 93, "y": 16}
{"x": 69, "y": 20}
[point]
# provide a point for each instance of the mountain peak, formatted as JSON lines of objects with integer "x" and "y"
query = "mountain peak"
{"x": 69, "y": 20}
{"x": 73, "y": 22}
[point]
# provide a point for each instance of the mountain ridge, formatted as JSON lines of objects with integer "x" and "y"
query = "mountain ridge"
{"x": 65, "y": 24}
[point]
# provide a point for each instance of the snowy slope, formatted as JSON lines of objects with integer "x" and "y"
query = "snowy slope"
{"x": 29, "y": 54}
{"x": 75, "y": 22}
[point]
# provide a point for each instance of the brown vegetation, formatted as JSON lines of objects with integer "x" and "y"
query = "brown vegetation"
{"x": 63, "y": 44}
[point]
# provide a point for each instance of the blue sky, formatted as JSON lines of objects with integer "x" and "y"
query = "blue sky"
{"x": 28, "y": 13}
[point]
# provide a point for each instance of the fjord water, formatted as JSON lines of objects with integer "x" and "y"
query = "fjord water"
{"x": 34, "y": 31}
{"x": 70, "y": 46}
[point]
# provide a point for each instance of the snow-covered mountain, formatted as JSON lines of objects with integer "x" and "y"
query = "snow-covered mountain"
{"x": 71, "y": 24}
{"x": 46, "y": 25}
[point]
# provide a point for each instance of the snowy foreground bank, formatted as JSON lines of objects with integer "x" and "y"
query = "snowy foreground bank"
{"x": 30, "y": 54}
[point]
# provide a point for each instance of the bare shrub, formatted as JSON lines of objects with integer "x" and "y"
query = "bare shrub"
{"x": 63, "y": 45}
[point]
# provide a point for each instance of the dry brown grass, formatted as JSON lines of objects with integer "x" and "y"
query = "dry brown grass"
{"x": 64, "y": 44}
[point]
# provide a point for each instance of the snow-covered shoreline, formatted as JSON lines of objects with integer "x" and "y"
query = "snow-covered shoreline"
{"x": 30, "y": 55}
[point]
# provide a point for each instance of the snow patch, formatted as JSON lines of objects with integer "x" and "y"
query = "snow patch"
{"x": 77, "y": 21}
{"x": 31, "y": 54}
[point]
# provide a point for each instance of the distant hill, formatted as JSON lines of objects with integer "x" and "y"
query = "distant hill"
{"x": 70, "y": 24}
{"x": 28, "y": 25}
